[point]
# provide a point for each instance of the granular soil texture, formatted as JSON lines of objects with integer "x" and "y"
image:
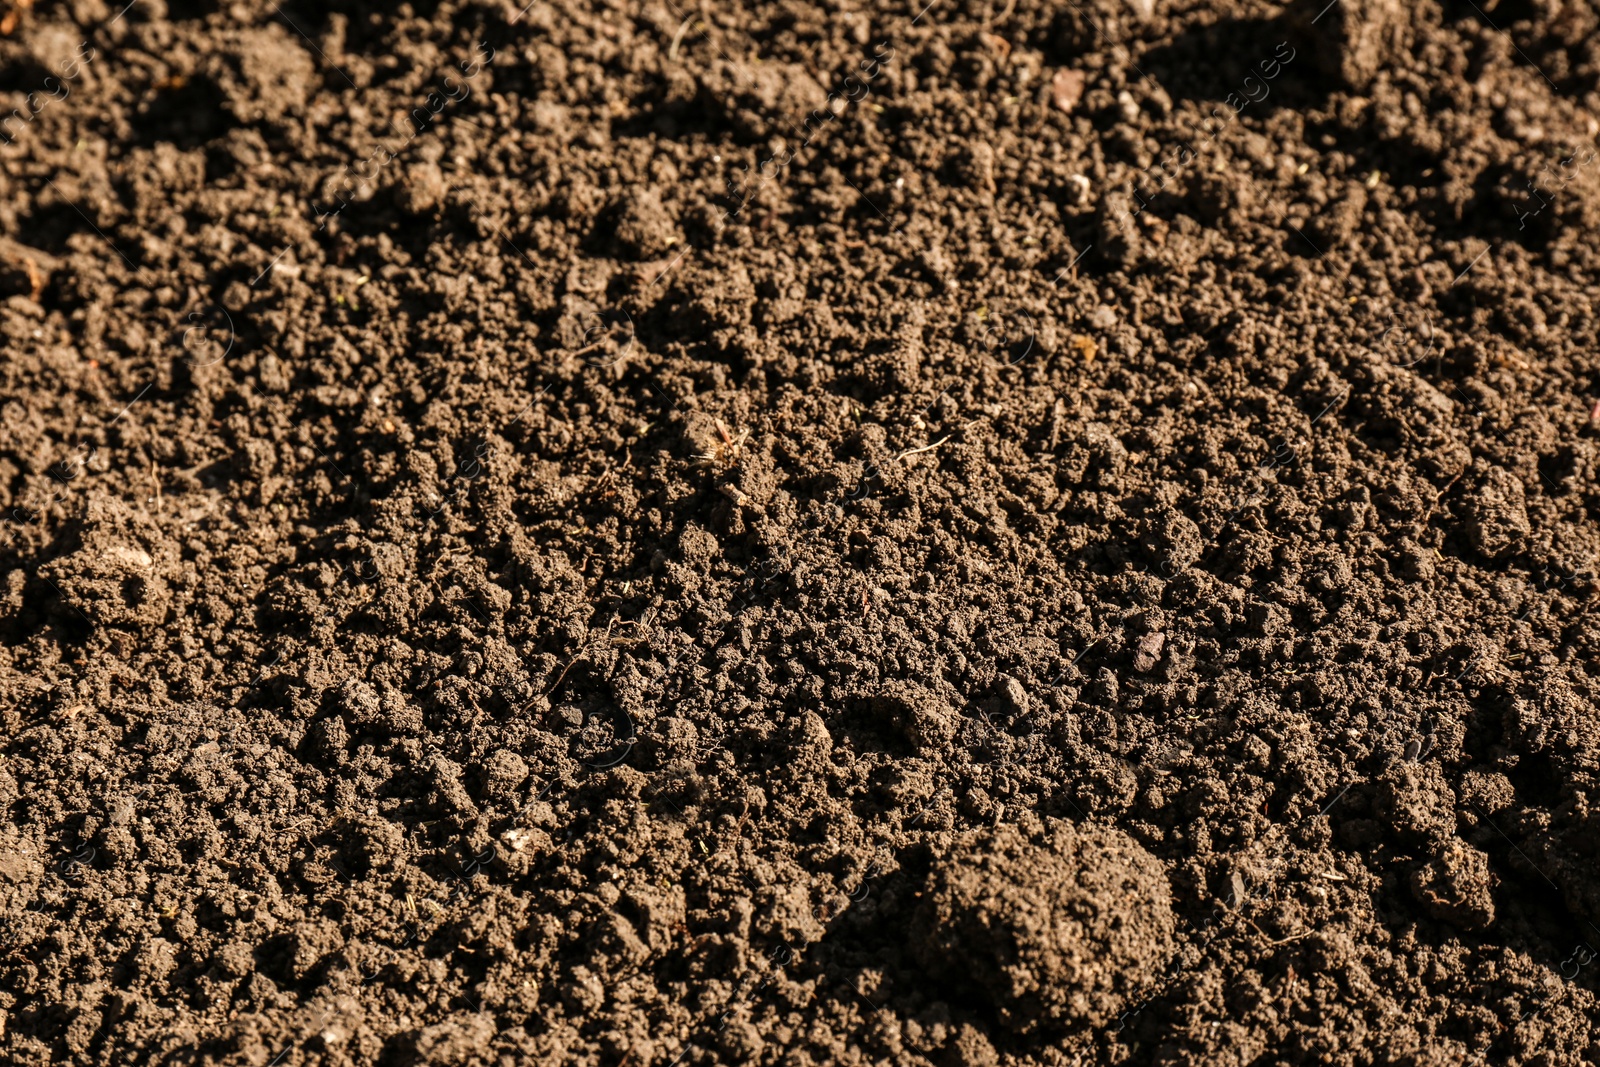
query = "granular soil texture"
{"x": 617, "y": 534}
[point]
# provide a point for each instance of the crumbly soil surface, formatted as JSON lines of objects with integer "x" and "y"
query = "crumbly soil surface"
{"x": 624, "y": 533}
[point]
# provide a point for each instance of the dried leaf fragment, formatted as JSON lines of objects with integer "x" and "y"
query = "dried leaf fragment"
{"x": 1084, "y": 346}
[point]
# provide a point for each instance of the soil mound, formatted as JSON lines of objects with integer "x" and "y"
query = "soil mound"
{"x": 1058, "y": 930}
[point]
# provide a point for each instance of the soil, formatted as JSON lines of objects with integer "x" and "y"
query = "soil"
{"x": 804, "y": 533}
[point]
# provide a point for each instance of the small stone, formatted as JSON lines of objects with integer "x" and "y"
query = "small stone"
{"x": 1128, "y": 106}
{"x": 1149, "y": 653}
{"x": 1066, "y": 89}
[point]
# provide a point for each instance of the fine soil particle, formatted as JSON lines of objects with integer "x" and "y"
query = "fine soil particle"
{"x": 637, "y": 535}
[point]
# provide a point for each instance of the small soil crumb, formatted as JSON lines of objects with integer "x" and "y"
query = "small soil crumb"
{"x": 970, "y": 1048}
{"x": 974, "y": 166}
{"x": 1416, "y": 803}
{"x": 1454, "y": 886}
{"x": 1497, "y": 515}
{"x": 1351, "y": 40}
{"x": 1118, "y": 233}
{"x": 1483, "y": 793}
{"x": 106, "y": 576}
{"x": 423, "y": 189}
{"x": 766, "y": 99}
{"x": 1097, "y": 24}
{"x": 643, "y": 228}
{"x": 926, "y": 719}
{"x": 1013, "y": 696}
{"x": 262, "y": 74}
{"x": 1059, "y": 931}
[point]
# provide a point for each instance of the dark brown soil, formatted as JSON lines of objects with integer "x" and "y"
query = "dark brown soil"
{"x": 616, "y": 534}
{"x": 1055, "y": 932}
